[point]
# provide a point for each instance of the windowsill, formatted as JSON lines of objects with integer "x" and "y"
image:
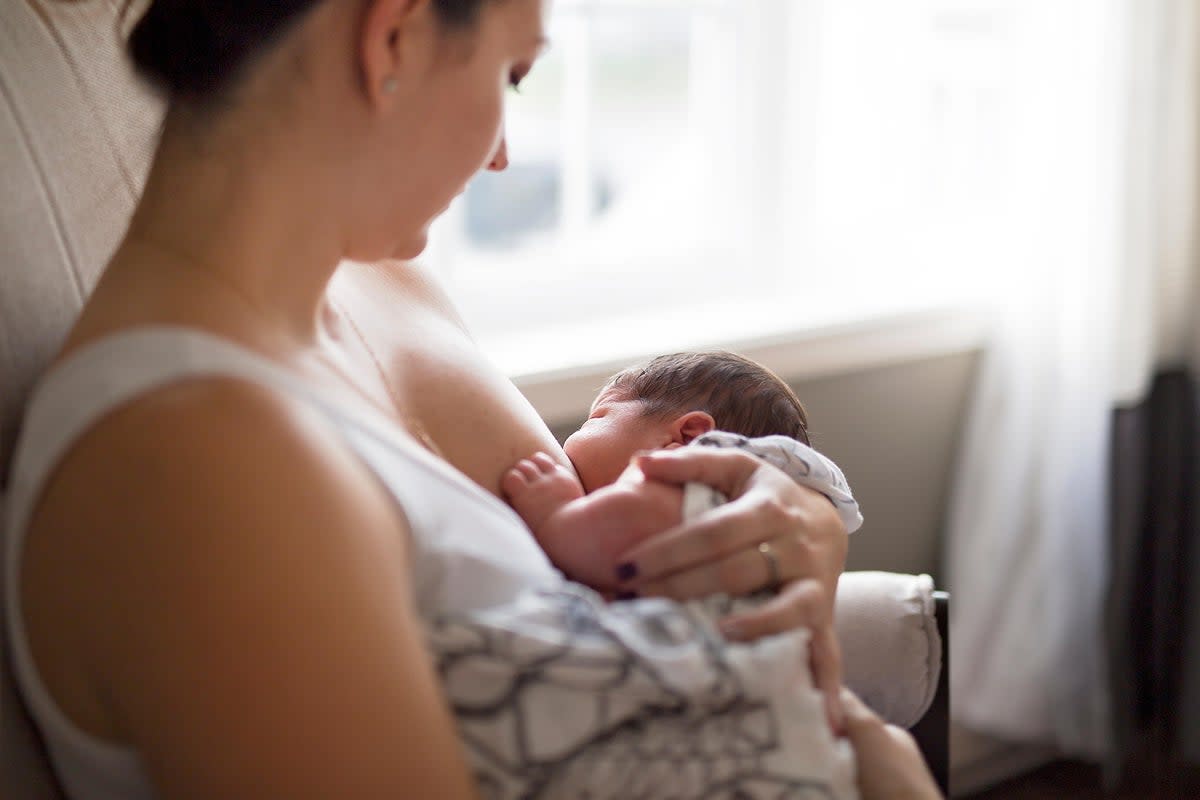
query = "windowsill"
{"x": 560, "y": 370}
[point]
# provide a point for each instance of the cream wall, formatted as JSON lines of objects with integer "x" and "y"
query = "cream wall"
{"x": 894, "y": 431}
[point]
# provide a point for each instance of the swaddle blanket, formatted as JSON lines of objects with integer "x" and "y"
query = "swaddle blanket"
{"x": 800, "y": 462}
{"x": 561, "y": 695}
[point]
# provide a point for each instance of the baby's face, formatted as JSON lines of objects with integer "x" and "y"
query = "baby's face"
{"x": 615, "y": 430}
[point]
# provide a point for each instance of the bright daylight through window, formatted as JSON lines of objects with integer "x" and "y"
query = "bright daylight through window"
{"x": 685, "y": 172}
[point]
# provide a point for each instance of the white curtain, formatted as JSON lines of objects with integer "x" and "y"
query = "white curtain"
{"x": 1100, "y": 294}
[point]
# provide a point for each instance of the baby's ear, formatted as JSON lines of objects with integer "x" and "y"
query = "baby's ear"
{"x": 690, "y": 425}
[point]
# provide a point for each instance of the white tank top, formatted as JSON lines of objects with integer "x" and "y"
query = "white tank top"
{"x": 469, "y": 550}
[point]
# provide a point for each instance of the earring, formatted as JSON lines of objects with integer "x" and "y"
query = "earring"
{"x": 389, "y": 84}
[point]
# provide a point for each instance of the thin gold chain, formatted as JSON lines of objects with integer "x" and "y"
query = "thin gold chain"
{"x": 218, "y": 279}
{"x": 409, "y": 422}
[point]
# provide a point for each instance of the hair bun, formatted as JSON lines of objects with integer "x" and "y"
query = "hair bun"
{"x": 176, "y": 45}
{"x": 195, "y": 48}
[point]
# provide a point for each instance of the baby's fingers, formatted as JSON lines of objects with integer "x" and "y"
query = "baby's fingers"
{"x": 517, "y": 479}
{"x": 544, "y": 462}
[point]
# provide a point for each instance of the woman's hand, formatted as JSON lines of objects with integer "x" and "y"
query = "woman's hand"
{"x": 719, "y": 551}
{"x": 890, "y": 767}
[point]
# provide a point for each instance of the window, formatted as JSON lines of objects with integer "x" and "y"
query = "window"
{"x": 914, "y": 117}
{"x": 684, "y": 172}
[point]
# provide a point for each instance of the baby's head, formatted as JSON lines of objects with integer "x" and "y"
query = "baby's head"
{"x": 672, "y": 399}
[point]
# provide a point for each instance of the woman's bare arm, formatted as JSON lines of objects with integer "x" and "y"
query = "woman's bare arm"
{"x": 242, "y": 587}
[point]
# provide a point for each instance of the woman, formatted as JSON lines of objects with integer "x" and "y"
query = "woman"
{"x": 250, "y": 556}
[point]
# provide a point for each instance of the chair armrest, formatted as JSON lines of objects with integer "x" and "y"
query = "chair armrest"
{"x": 933, "y": 731}
{"x": 891, "y": 647}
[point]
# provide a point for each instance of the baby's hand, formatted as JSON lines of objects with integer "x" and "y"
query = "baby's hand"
{"x": 537, "y": 487}
{"x": 587, "y": 538}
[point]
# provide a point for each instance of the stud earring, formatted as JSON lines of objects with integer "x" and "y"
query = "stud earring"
{"x": 389, "y": 84}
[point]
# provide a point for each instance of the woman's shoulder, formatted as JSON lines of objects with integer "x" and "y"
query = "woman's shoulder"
{"x": 222, "y": 539}
{"x": 203, "y": 464}
{"x": 211, "y": 431}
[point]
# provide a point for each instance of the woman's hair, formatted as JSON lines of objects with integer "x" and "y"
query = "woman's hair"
{"x": 195, "y": 49}
{"x": 741, "y": 395}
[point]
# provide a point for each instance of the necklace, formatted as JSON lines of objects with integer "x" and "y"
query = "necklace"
{"x": 410, "y": 423}
{"x": 218, "y": 279}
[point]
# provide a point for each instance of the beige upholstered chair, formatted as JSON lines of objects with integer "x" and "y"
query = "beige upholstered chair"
{"x": 76, "y": 136}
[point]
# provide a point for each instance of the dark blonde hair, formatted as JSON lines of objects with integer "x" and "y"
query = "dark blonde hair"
{"x": 741, "y": 395}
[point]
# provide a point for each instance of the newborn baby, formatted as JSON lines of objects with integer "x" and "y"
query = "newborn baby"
{"x": 586, "y": 521}
{"x": 563, "y": 695}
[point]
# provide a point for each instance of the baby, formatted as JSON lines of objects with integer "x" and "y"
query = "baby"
{"x": 715, "y": 398}
{"x": 643, "y": 698}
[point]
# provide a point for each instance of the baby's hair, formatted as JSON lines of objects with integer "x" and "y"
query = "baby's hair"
{"x": 741, "y": 395}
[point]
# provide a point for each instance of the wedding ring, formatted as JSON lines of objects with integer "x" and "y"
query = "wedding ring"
{"x": 768, "y": 554}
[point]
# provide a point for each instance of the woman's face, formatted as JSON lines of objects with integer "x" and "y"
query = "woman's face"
{"x": 456, "y": 122}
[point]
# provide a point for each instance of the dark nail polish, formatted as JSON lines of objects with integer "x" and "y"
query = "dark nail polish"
{"x": 626, "y": 595}
{"x": 626, "y": 571}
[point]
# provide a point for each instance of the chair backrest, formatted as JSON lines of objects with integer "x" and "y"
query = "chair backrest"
{"x": 77, "y": 131}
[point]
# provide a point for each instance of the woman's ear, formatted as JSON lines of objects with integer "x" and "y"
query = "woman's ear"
{"x": 687, "y": 427}
{"x": 392, "y": 37}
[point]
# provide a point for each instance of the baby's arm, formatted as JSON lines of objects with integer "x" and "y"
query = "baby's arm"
{"x": 586, "y": 535}
{"x": 537, "y": 487}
